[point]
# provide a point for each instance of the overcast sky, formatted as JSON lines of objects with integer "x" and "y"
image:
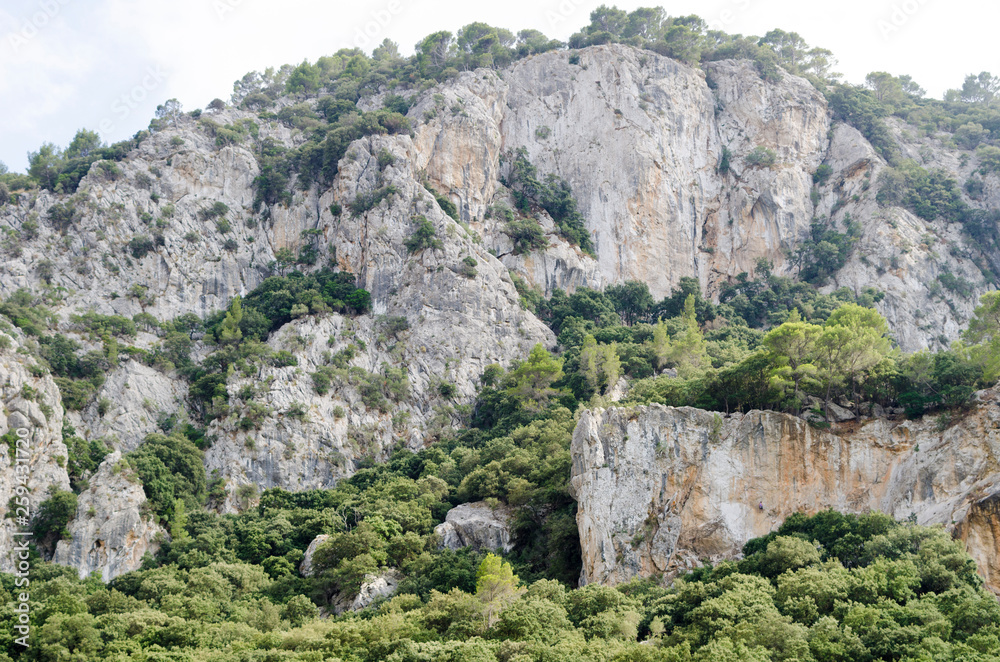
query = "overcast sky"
{"x": 106, "y": 64}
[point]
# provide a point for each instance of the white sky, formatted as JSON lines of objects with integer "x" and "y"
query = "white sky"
{"x": 106, "y": 64}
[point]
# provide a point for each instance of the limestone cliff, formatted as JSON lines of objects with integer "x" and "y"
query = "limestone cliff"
{"x": 32, "y": 412}
{"x": 641, "y": 139}
{"x": 111, "y": 531}
{"x": 656, "y": 154}
{"x": 663, "y": 489}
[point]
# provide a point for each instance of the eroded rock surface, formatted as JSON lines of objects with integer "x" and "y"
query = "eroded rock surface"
{"x": 110, "y": 532}
{"x": 33, "y": 406}
{"x": 476, "y": 525}
{"x": 664, "y": 489}
{"x": 306, "y": 567}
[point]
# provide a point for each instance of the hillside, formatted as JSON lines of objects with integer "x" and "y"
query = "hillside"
{"x": 584, "y": 305}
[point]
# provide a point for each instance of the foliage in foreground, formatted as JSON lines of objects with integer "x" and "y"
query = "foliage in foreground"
{"x": 826, "y": 588}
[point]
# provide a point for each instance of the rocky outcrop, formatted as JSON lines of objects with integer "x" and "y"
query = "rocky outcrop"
{"x": 477, "y": 525}
{"x": 639, "y": 137}
{"x": 137, "y": 397}
{"x": 898, "y": 253}
{"x": 306, "y": 567}
{"x": 374, "y": 587}
{"x": 663, "y": 489}
{"x": 460, "y": 321}
{"x": 110, "y": 532}
{"x": 33, "y": 455}
{"x": 641, "y": 140}
{"x": 159, "y": 191}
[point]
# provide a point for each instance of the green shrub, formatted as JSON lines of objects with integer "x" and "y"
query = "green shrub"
{"x": 527, "y": 235}
{"x": 76, "y": 393}
{"x": 956, "y": 284}
{"x": 468, "y": 267}
{"x": 49, "y": 526}
{"x": 170, "y": 468}
{"x": 63, "y": 215}
{"x": 826, "y": 250}
{"x": 447, "y": 206}
{"x": 84, "y": 458}
{"x": 761, "y": 157}
{"x": 216, "y": 210}
{"x": 724, "y": 161}
{"x": 554, "y": 195}
{"x": 141, "y": 245}
{"x": 364, "y": 202}
{"x": 393, "y": 326}
{"x": 385, "y": 159}
{"x": 423, "y": 237}
{"x": 822, "y": 174}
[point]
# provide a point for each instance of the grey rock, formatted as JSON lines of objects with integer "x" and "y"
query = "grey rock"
{"x": 40, "y": 417}
{"x": 375, "y": 587}
{"x": 618, "y": 391}
{"x": 656, "y": 494}
{"x": 839, "y": 414}
{"x": 139, "y": 397}
{"x": 305, "y": 568}
{"x": 109, "y": 534}
{"x": 476, "y": 525}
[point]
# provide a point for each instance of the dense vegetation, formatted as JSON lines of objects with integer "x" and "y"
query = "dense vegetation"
{"x": 821, "y": 588}
{"x": 772, "y": 343}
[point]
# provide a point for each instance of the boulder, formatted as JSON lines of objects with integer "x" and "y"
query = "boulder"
{"x": 373, "y": 588}
{"x": 839, "y": 414}
{"x": 305, "y": 568}
{"x": 476, "y": 525}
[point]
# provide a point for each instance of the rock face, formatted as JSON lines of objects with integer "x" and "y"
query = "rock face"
{"x": 162, "y": 181}
{"x": 459, "y": 323}
{"x": 305, "y": 568}
{"x": 656, "y": 153}
{"x": 110, "y": 533}
{"x": 476, "y": 525}
{"x": 641, "y": 140}
{"x": 375, "y": 587}
{"x": 138, "y": 397}
{"x": 31, "y": 413}
{"x": 663, "y": 489}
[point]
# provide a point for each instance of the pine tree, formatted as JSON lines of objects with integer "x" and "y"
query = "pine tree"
{"x": 792, "y": 348}
{"x": 230, "y": 333}
{"x": 689, "y": 352}
{"x": 496, "y": 587}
